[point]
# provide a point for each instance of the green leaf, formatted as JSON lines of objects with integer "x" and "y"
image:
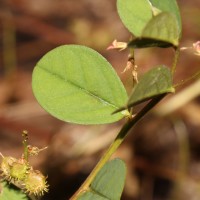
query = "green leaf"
{"x": 135, "y": 14}
{"x": 155, "y": 82}
{"x": 109, "y": 182}
{"x": 92, "y": 196}
{"x": 152, "y": 22}
{"x": 162, "y": 31}
{"x": 9, "y": 192}
{"x": 171, "y": 7}
{"x": 162, "y": 27}
{"x": 76, "y": 84}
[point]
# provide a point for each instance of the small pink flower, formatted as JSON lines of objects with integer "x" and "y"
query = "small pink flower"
{"x": 196, "y": 47}
{"x": 117, "y": 45}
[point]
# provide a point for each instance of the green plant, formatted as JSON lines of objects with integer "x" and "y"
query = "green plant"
{"x": 76, "y": 84}
{"x": 21, "y": 174}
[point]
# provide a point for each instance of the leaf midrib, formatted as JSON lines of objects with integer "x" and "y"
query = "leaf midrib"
{"x": 77, "y": 86}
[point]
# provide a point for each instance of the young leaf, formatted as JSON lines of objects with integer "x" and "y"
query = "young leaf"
{"x": 109, "y": 182}
{"x": 76, "y": 84}
{"x": 9, "y": 192}
{"x": 134, "y": 14}
{"x": 162, "y": 27}
{"x": 169, "y": 6}
{"x": 155, "y": 82}
{"x": 162, "y": 31}
{"x": 153, "y": 22}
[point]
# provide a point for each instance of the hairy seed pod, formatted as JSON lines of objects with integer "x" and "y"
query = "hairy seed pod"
{"x": 19, "y": 170}
{"x": 35, "y": 183}
{"x": 6, "y": 166}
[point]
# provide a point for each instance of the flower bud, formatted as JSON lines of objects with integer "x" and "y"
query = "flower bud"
{"x": 19, "y": 169}
{"x": 35, "y": 183}
{"x": 117, "y": 45}
{"x": 196, "y": 47}
{"x": 6, "y": 166}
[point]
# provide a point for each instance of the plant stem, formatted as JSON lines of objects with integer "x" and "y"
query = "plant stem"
{"x": 115, "y": 144}
{"x": 176, "y": 57}
{"x": 9, "y": 44}
{"x": 25, "y": 144}
{"x": 196, "y": 75}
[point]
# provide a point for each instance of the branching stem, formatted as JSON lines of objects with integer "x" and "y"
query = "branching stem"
{"x": 116, "y": 143}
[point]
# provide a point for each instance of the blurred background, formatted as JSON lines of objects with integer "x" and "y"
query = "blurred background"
{"x": 162, "y": 153}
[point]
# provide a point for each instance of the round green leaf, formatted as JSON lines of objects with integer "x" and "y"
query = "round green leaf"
{"x": 135, "y": 14}
{"x": 162, "y": 27}
{"x": 108, "y": 183}
{"x": 169, "y": 6}
{"x": 154, "y": 23}
{"x": 155, "y": 82}
{"x": 76, "y": 84}
{"x": 161, "y": 31}
{"x": 110, "y": 180}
